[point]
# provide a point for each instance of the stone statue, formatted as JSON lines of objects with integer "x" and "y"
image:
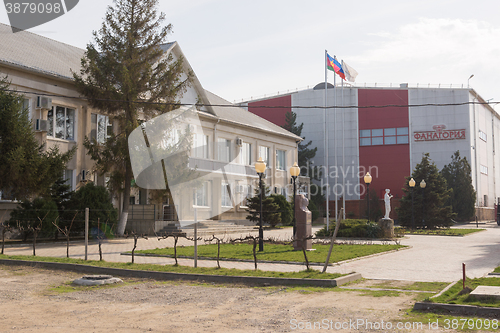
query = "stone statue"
{"x": 304, "y": 202}
{"x": 387, "y": 200}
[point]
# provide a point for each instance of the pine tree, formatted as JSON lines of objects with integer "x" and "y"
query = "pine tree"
{"x": 27, "y": 170}
{"x": 307, "y": 168}
{"x": 60, "y": 193}
{"x": 284, "y": 208}
{"x": 270, "y": 209}
{"x": 36, "y": 213}
{"x": 124, "y": 73}
{"x": 458, "y": 178}
{"x": 430, "y": 209}
{"x": 305, "y": 154}
{"x": 98, "y": 200}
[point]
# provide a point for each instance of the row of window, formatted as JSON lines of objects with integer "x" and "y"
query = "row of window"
{"x": 200, "y": 195}
{"x": 62, "y": 126}
{"x": 383, "y": 136}
{"x": 201, "y": 150}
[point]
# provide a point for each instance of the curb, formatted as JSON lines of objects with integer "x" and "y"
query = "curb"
{"x": 470, "y": 310}
{"x": 407, "y": 247}
{"x": 445, "y": 289}
{"x": 155, "y": 275}
{"x": 466, "y": 235}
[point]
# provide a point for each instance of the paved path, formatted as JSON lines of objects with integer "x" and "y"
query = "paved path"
{"x": 430, "y": 258}
{"x": 435, "y": 258}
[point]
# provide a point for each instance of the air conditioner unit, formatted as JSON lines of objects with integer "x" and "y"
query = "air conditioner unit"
{"x": 44, "y": 102}
{"x": 41, "y": 125}
{"x": 239, "y": 142}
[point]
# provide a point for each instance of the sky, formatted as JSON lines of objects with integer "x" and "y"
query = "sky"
{"x": 241, "y": 50}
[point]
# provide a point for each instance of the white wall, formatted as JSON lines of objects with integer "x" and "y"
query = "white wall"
{"x": 423, "y": 118}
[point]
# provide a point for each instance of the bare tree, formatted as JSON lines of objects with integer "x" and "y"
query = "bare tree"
{"x": 176, "y": 236}
{"x": 35, "y": 229}
{"x": 136, "y": 238}
{"x": 5, "y": 228}
{"x": 218, "y": 246}
{"x": 66, "y": 231}
{"x": 303, "y": 244}
{"x": 255, "y": 240}
{"x": 100, "y": 236}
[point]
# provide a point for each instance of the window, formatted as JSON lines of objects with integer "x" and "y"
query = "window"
{"x": 246, "y": 153}
{"x": 68, "y": 177}
{"x": 224, "y": 150}
{"x": 246, "y": 193}
{"x": 483, "y": 136}
{"x": 27, "y": 106}
{"x": 264, "y": 153}
{"x": 383, "y": 136}
{"x": 61, "y": 123}
{"x": 484, "y": 169}
{"x": 280, "y": 160}
{"x": 200, "y": 197}
{"x": 200, "y": 146}
{"x": 100, "y": 128}
{"x": 226, "y": 195}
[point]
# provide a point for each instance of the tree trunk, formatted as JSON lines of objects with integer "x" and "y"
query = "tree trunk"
{"x": 34, "y": 243}
{"x": 122, "y": 224}
{"x": 4, "y": 230}
{"x": 135, "y": 246}
{"x": 255, "y": 254}
{"x": 67, "y": 245}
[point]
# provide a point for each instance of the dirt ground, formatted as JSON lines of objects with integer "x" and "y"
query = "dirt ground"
{"x": 29, "y": 303}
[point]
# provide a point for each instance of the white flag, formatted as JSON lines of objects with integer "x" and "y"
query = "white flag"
{"x": 350, "y": 73}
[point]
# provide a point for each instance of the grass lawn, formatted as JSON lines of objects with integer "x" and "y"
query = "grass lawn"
{"x": 451, "y": 296}
{"x": 305, "y": 274}
{"x": 279, "y": 252}
{"x": 497, "y": 270}
{"x": 442, "y": 232}
{"x": 420, "y": 320}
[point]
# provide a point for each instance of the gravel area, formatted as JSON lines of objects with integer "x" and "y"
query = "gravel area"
{"x": 28, "y": 303}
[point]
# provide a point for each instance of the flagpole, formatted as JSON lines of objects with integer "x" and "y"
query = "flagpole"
{"x": 343, "y": 150}
{"x": 326, "y": 144}
{"x": 335, "y": 147}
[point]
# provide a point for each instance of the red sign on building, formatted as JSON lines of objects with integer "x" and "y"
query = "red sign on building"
{"x": 439, "y": 133}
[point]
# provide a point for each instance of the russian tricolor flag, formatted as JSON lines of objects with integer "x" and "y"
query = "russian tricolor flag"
{"x": 334, "y": 65}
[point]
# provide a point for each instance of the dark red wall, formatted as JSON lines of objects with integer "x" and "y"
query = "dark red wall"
{"x": 392, "y": 161}
{"x": 277, "y": 115}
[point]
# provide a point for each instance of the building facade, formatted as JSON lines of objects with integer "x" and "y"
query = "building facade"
{"x": 386, "y": 131}
{"x": 41, "y": 70}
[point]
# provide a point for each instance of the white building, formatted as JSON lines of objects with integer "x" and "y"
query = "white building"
{"x": 387, "y": 130}
{"x": 41, "y": 69}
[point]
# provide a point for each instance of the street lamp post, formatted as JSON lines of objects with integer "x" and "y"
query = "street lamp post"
{"x": 470, "y": 77}
{"x": 412, "y": 186}
{"x": 294, "y": 172}
{"x": 368, "y": 180}
{"x": 422, "y": 186}
{"x": 260, "y": 168}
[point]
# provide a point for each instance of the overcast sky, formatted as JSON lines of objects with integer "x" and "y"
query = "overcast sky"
{"x": 243, "y": 49}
